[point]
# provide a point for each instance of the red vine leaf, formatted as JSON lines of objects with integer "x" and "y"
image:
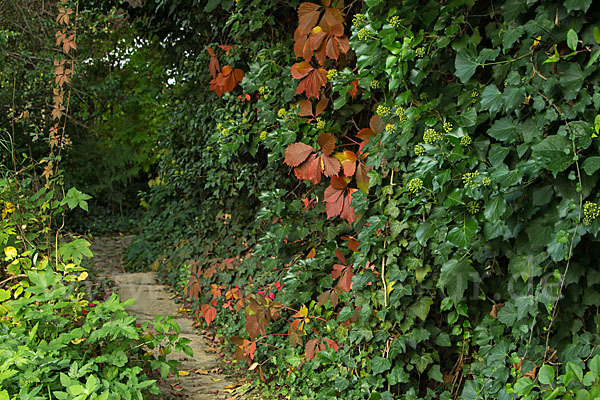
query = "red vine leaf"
{"x": 213, "y": 64}
{"x": 208, "y": 313}
{"x": 327, "y": 143}
{"x": 354, "y": 88}
{"x": 343, "y": 272}
{"x": 362, "y": 179}
{"x": 297, "y": 153}
{"x": 313, "y": 80}
{"x": 348, "y": 160}
{"x": 338, "y": 197}
{"x": 308, "y": 15}
{"x": 301, "y": 69}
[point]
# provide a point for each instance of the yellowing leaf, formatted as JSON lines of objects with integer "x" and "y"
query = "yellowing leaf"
{"x": 78, "y": 340}
{"x": 537, "y": 41}
{"x": 216, "y": 379}
{"x": 10, "y": 252}
{"x": 83, "y": 276}
{"x": 183, "y": 373}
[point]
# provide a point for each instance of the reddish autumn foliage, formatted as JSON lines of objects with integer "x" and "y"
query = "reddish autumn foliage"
{"x": 309, "y": 166}
{"x": 224, "y": 79}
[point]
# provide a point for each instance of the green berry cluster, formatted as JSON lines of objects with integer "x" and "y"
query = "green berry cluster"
{"x": 282, "y": 113}
{"x": 473, "y": 207}
{"x": 320, "y": 123}
{"x": 431, "y": 136}
{"x": 363, "y": 34}
{"x": 448, "y": 126}
{"x": 263, "y": 135}
{"x": 466, "y": 140}
{"x": 375, "y": 84}
{"x": 359, "y": 20}
{"x": 415, "y": 185}
{"x": 419, "y": 150}
{"x": 394, "y": 21}
{"x": 390, "y": 128}
{"x": 470, "y": 179}
{"x": 590, "y": 212}
{"x": 331, "y": 74}
{"x": 420, "y": 52}
{"x": 383, "y": 111}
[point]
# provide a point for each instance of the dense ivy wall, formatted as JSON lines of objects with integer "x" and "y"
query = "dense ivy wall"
{"x": 466, "y": 264}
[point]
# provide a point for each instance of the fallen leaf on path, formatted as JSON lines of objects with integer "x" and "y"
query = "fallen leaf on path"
{"x": 183, "y": 373}
{"x": 216, "y": 379}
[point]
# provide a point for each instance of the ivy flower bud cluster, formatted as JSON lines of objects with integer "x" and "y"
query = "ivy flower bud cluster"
{"x": 394, "y": 21}
{"x": 375, "y": 84}
{"x": 383, "y": 111}
{"x": 282, "y": 113}
{"x": 466, "y": 140}
{"x": 400, "y": 113}
{"x": 363, "y": 34}
{"x": 470, "y": 179}
{"x": 590, "y": 212}
{"x": 320, "y": 123}
{"x": 359, "y": 20}
{"x": 473, "y": 207}
{"x": 390, "y": 128}
{"x": 419, "y": 150}
{"x": 486, "y": 181}
{"x": 331, "y": 74}
{"x": 431, "y": 136}
{"x": 415, "y": 185}
{"x": 420, "y": 52}
{"x": 474, "y": 96}
{"x": 263, "y": 135}
{"x": 448, "y": 126}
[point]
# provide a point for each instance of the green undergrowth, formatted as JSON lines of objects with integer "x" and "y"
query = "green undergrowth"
{"x": 55, "y": 342}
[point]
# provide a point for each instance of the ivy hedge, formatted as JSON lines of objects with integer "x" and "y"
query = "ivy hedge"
{"x": 462, "y": 263}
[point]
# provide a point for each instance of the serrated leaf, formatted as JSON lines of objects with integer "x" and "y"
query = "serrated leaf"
{"x": 297, "y": 153}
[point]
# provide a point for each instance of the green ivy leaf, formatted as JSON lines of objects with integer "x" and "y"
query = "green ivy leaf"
{"x": 577, "y": 5}
{"x": 380, "y": 364}
{"x": 455, "y": 276}
{"x": 461, "y": 236}
{"x": 495, "y": 208}
{"x": 420, "y": 308}
{"x": 554, "y": 153}
{"x": 491, "y": 98}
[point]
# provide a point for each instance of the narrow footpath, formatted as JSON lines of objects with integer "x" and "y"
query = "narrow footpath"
{"x": 202, "y": 377}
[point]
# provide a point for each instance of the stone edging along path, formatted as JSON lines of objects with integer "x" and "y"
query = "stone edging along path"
{"x": 201, "y": 378}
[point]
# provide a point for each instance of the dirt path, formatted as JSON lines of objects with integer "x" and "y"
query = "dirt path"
{"x": 205, "y": 380}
